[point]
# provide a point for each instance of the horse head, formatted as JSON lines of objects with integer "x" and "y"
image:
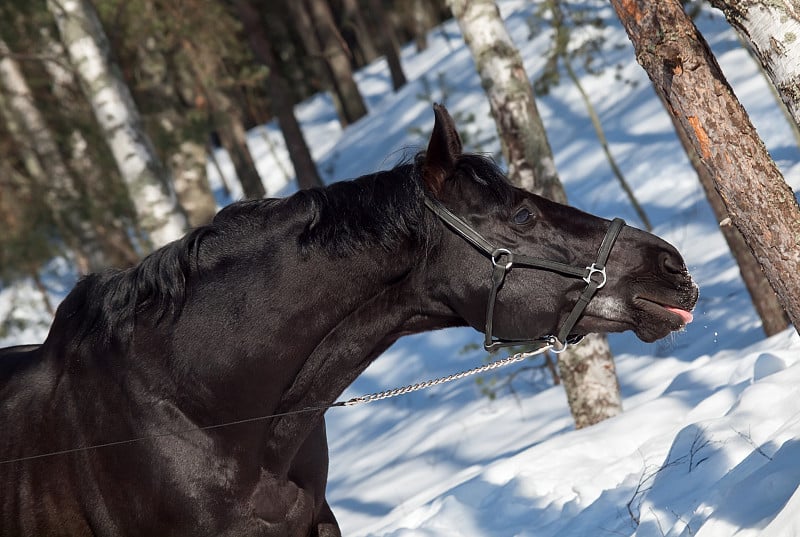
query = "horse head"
{"x": 525, "y": 266}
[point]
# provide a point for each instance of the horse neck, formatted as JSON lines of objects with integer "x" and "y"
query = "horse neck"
{"x": 304, "y": 344}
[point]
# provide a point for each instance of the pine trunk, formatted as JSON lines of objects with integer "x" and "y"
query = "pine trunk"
{"x": 280, "y": 98}
{"x": 388, "y": 44}
{"x": 229, "y": 126}
{"x": 686, "y": 76}
{"x": 587, "y": 370}
{"x": 765, "y": 301}
{"x": 336, "y": 58}
{"x": 772, "y": 29}
{"x": 353, "y": 18}
{"x": 148, "y": 183}
{"x": 318, "y": 69}
{"x": 422, "y": 23}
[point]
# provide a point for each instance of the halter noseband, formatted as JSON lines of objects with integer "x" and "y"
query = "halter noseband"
{"x": 594, "y": 276}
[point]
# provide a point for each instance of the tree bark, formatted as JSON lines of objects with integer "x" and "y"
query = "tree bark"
{"x": 282, "y": 106}
{"x": 145, "y": 177}
{"x": 519, "y": 125}
{"x": 422, "y": 19}
{"x": 772, "y": 28}
{"x": 319, "y": 73}
{"x": 100, "y": 180}
{"x": 188, "y": 165}
{"x": 686, "y": 76}
{"x": 181, "y": 146}
{"x": 387, "y": 39}
{"x": 354, "y": 19}
{"x": 587, "y": 370}
{"x": 337, "y": 60}
{"x": 229, "y": 125}
{"x": 765, "y": 301}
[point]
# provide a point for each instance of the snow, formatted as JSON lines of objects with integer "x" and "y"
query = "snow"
{"x": 709, "y": 440}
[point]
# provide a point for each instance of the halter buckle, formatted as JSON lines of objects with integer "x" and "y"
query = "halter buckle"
{"x": 595, "y": 270}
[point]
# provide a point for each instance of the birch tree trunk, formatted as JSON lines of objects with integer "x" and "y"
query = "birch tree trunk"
{"x": 587, "y": 370}
{"x": 772, "y": 28}
{"x": 100, "y": 181}
{"x": 145, "y": 177}
{"x": 686, "y": 76}
{"x": 62, "y": 194}
{"x": 524, "y": 141}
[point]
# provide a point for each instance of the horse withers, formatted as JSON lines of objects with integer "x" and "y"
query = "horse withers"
{"x": 274, "y": 309}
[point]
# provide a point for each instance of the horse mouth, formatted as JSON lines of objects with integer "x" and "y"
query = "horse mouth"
{"x": 672, "y": 313}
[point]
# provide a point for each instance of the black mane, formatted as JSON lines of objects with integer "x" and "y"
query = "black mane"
{"x": 380, "y": 210}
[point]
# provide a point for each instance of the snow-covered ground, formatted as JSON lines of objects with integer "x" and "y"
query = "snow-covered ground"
{"x": 709, "y": 443}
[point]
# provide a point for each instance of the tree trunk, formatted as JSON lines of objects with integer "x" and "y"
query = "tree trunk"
{"x": 388, "y": 44}
{"x": 773, "y": 318}
{"x": 99, "y": 178}
{"x": 228, "y": 123}
{"x": 282, "y": 106}
{"x": 353, "y": 18}
{"x": 686, "y": 76}
{"x": 181, "y": 146}
{"x": 188, "y": 165}
{"x": 319, "y": 69}
{"x": 519, "y": 125}
{"x": 587, "y": 370}
{"x": 422, "y": 22}
{"x": 145, "y": 177}
{"x": 337, "y": 60}
{"x": 772, "y": 29}
{"x": 62, "y": 194}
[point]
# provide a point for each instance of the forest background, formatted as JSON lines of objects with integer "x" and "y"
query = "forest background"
{"x": 110, "y": 112}
{"x": 103, "y": 166}
{"x": 198, "y": 87}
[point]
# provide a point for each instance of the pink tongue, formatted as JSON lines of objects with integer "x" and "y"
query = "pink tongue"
{"x": 685, "y": 315}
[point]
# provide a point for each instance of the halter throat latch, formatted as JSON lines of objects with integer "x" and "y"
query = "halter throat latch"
{"x": 503, "y": 260}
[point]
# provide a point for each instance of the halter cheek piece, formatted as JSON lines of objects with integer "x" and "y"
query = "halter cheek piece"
{"x": 503, "y": 260}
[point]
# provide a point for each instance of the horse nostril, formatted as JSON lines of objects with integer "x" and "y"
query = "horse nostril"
{"x": 671, "y": 263}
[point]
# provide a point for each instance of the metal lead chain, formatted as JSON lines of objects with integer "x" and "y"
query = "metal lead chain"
{"x": 386, "y": 394}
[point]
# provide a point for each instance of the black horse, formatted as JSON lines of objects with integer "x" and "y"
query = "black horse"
{"x": 276, "y": 307}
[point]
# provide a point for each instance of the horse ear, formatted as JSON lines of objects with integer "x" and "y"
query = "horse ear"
{"x": 443, "y": 150}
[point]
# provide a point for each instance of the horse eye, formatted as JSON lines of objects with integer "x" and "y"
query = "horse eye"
{"x": 522, "y": 216}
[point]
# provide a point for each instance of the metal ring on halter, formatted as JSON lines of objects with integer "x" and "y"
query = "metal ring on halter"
{"x": 594, "y": 270}
{"x": 556, "y": 346}
{"x": 500, "y": 252}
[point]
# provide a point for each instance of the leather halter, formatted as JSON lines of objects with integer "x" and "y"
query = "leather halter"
{"x": 503, "y": 260}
